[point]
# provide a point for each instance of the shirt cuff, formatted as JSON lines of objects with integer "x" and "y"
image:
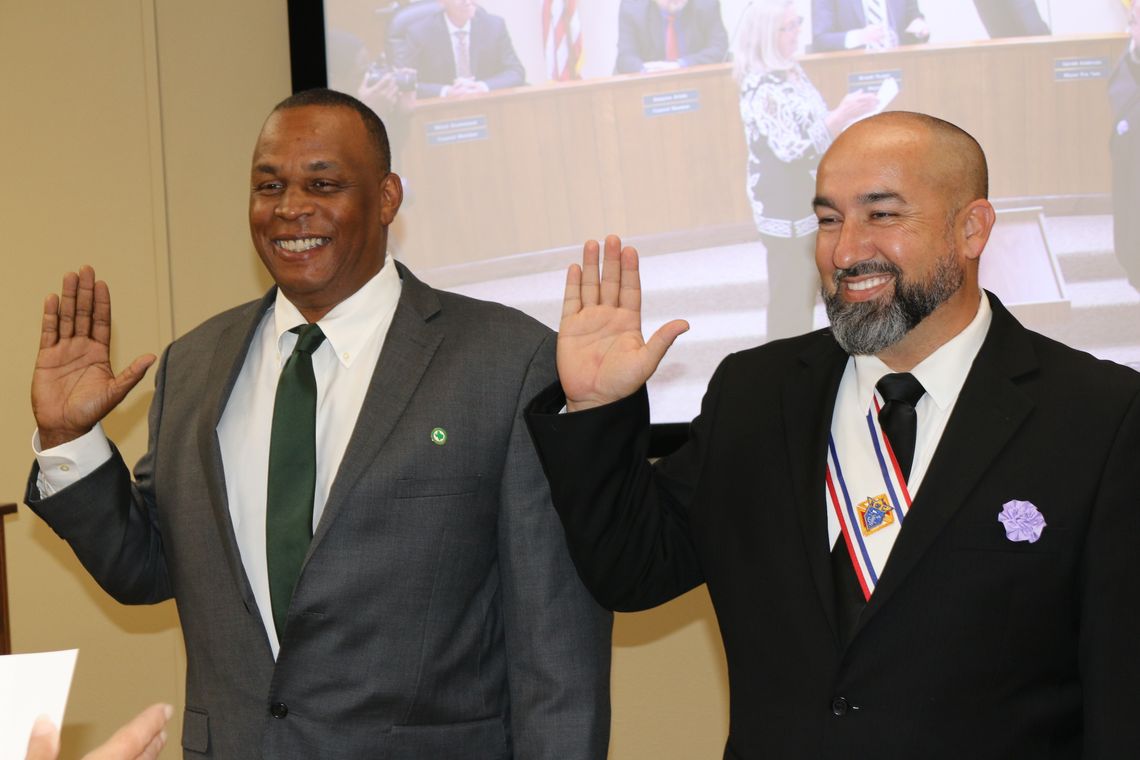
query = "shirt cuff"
{"x": 854, "y": 39}
{"x": 68, "y": 463}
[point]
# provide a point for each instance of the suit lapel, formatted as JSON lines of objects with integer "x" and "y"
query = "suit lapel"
{"x": 226, "y": 364}
{"x": 808, "y": 399}
{"x": 408, "y": 349}
{"x": 989, "y": 410}
{"x": 442, "y": 33}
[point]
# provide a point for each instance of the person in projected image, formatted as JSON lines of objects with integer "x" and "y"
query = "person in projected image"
{"x": 1011, "y": 18}
{"x": 660, "y": 35}
{"x": 787, "y": 127}
{"x": 459, "y": 51}
{"x": 1124, "y": 147}
{"x": 866, "y": 24}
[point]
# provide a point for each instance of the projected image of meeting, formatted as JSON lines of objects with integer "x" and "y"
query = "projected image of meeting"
{"x": 693, "y": 129}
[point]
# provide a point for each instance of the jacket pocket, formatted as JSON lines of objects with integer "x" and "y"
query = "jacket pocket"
{"x": 195, "y": 730}
{"x": 434, "y": 488}
{"x": 473, "y": 740}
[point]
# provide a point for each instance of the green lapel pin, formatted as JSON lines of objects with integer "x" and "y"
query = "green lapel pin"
{"x": 438, "y": 436}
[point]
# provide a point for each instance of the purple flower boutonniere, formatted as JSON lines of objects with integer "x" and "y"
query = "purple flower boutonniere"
{"x": 1022, "y": 521}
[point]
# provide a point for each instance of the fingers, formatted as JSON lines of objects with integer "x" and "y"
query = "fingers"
{"x": 49, "y": 325}
{"x": 141, "y": 739}
{"x": 572, "y": 298}
{"x": 629, "y": 296}
{"x": 44, "y": 741}
{"x": 100, "y": 314}
{"x": 590, "y": 289}
{"x": 611, "y": 271}
{"x": 84, "y": 301}
{"x": 619, "y": 284}
{"x": 67, "y": 294}
{"x": 663, "y": 339}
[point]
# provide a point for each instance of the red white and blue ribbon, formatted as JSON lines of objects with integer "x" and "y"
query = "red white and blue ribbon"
{"x": 869, "y": 496}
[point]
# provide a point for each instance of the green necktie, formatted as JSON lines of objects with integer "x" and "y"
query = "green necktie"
{"x": 292, "y": 472}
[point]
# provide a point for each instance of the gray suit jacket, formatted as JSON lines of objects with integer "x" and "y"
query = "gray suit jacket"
{"x": 437, "y": 615}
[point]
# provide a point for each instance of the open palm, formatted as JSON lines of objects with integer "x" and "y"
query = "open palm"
{"x": 602, "y": 355}
{"x": 73, "y": 385}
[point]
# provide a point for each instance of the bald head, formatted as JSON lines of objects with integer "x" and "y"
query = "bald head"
{"x": 949, "y": 157}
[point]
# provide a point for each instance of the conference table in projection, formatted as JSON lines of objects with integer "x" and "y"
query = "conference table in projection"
{"x": 545, "y": 167}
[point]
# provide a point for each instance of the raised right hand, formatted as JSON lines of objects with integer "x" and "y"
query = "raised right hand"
{"x": 602, "y": 355}
{"x": 73, "y": 386}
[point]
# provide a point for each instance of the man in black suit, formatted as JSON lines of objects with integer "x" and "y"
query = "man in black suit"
{"x": 658, "y": 35}
{"x": 871, "y": 24}
{"x": 459, "y": 51}
{"x": 996, "y": 616}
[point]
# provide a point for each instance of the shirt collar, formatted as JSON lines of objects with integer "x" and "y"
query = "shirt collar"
{"x": 452, "y": 28}
{"x": 351, "y": 323}
{"x": 943, "y": 373}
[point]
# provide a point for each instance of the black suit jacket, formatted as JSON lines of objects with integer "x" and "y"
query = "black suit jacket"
{"x": 832, "y": 19}
{"x": 428, "y": 50}
{"x": 971, "y": 645}
{"x": 641, "y": 34}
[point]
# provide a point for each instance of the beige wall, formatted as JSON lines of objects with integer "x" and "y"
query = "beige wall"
{"x": 127, "y": 134}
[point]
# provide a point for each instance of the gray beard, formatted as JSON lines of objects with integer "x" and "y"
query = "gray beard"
{"x": 868, "y": 327}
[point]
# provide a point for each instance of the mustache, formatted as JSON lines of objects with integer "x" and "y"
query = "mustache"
{"x": 864, "y": 268}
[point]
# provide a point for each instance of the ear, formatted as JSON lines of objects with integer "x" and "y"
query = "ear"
{"x": 977, "y": 220}
{"x": 391, "y": 196}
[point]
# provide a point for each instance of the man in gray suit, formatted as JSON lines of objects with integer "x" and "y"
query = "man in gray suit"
{"x": 435, "y": 612}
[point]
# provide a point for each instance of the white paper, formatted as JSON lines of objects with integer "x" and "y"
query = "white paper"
{"x": 31, "y": 685}
{"x": 888, "y": 90}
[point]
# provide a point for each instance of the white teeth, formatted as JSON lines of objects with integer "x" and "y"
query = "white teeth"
{"x": 874, "y": 282}
{"x": 300, "y": 246}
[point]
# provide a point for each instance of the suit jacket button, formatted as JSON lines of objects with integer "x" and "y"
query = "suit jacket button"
{"x": 279, "y": 709}
{"x": 839, "y": 707}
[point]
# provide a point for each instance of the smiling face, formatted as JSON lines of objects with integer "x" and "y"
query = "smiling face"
{"x": 901, "y": 227}
{"x": 320, "y": 204}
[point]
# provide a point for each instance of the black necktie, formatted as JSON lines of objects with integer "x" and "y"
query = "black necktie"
{"x": 292, "y": 472}
{"x": 900, "y": 392}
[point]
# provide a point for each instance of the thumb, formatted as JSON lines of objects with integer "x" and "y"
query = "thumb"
{"x": 44, "y": 741}
{"x": 661, "y": 340}
{"x": 129, "y": 377}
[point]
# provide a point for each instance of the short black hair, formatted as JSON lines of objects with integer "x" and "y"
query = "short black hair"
{"x": 322, "y": 96}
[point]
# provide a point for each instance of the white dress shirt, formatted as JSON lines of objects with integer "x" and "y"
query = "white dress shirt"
{"x": 466, "y": 29}
{"x": 856, "y": 38}
{"x": 343, "y": 364}
{"x": 942, "y": 375}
